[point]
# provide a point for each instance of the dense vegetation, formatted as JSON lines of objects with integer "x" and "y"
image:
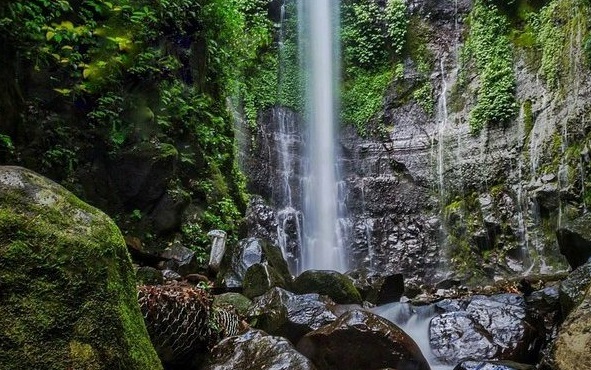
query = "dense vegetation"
{"x": 88, "y": 84}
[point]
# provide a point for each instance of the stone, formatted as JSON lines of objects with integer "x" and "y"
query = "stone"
{"x": 485, "y": 328}
{"x": 376, "y": 288}
{"x": 572, "y": 287}
{"x": 181, "y": 259}
{"x": 255, "y": 350}
{"x": 571, "y": 349}
{"x": 279, "y": 312}
{"x": 361, "y": 340}
{"x": 492, "y": 365}
{"x": 149, "y": 276}
{"x": 261, "y": 277}
{"x": 218, "y": 249}
{"x": 249, "y": 252}
{"x": 574, "y": 239}
{"x": 170, "y": 275}
{"x": 455, "y": 336}
{"x": 337, "y": 286}
{"x": 234, "y": 300}
{"x": 69, "y": 298}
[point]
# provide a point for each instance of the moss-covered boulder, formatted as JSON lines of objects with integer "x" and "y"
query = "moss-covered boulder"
{"x": 68, "y": 298}
{"x": 337, "y": 286}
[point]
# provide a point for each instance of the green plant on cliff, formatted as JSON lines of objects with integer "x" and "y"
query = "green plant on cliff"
{"x": 561, "y": 28}
{"x": 373, "y": 39}
{"x": 488, "y": 51}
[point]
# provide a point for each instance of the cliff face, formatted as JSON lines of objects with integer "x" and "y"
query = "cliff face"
{"x": 431, "y": 192}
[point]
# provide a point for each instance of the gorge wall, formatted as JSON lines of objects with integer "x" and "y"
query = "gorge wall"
{"x": 429, "y": 194}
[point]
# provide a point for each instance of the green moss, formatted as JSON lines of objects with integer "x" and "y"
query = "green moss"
{"x": 528, "y": 118}
{"x": 69, "y": 298}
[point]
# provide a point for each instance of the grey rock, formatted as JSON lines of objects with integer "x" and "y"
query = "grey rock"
{"x": 574, "y": 239}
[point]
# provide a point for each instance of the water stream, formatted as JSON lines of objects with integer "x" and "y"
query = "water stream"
{"x": 323, "y": 248}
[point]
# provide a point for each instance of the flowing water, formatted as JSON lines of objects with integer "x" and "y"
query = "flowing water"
{"x": 414, "y": 320}
{"x": 323, "y": 248}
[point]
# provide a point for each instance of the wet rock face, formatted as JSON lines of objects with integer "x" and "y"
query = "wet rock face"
{"x": 361, "y": 340}
{"x": 494, "y": 327}
{"x": 279, "y": 312}
{"x": 574, "y": 240}
{"x": 256, "y": 350}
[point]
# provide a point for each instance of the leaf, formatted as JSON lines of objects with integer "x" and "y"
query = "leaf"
{"x": 49, "y": 35}
{"x": 63, "y": 91}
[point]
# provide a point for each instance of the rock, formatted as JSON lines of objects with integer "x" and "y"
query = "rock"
{"x": 361, "y": 340}
{"x": 572, "y": 346}
{"x": 574, "y": 239}
{"x": 69, "y": 299}
{"x": 261, "y": 277}
{"x": 235, "y": 300}
{"x": 375, "y": 288}
{"x": 149, "y": 276}
{"x": 494, "y": 327}
{"x": 166, "y": 215}
{"x": 492, "y": 365}
{"x": 391, "y": 290}
{"x": 141, "y": 175}
{"x": 572, "y": 288}
{"x": 256, "y": 350}
{"x": 331, "y": 283}
{"x": 282, "y": 313}
{"x": 181, "y": 259}
{"x": 170, "y": 275}
{"x": 455, "y": 336}
{"x": 251, "y": 251}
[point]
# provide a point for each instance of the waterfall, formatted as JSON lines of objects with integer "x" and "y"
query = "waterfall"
{"x": 322, "y": 248}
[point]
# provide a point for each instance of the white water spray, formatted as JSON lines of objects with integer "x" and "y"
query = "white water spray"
{"x": 322, "y": 249}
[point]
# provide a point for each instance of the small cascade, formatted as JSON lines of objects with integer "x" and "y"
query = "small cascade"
{"x": 414, "y": 320}
{"x": 442, "y": 126}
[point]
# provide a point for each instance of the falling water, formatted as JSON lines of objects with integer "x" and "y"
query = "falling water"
{"x": 322, "y": 247}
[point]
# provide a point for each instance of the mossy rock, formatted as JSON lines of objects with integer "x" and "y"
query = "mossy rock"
{"x": 235, "y": 300}
{"x": 259, "y": 278}
{"x": 68, "y": 298}
{"x": 331, "y": 283}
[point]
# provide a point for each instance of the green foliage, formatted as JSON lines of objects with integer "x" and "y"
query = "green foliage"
{"x": 371, "y": 36}
{"x": 111, "y": 75}
{"x": 561, "y": 28}
{"x": 363, "y": 96}
{"x": 488, "y": 48}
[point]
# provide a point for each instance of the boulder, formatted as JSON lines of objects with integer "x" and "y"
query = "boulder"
{"x": 236, "y": 301}
{"x": 455, "y": 336}
{"x": 181, "y": 259}
{"x": 361, "y": 340}
{"x": 492, "y": 365}
{"x": 261, "y": 277}
{"x": 337, "y": 286}
{"x": 68, "y": 299}
{"x": 251, "y": 251}
{"x": 572, "y": 288}
{"x": 149, "y": 276}
{"x": 571, "y": 349}
{"x": 486, "y": 328}
{"x": 574, "y": 239}
{"x": 289, "y": 315}
{"x": 256, "y": 350}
